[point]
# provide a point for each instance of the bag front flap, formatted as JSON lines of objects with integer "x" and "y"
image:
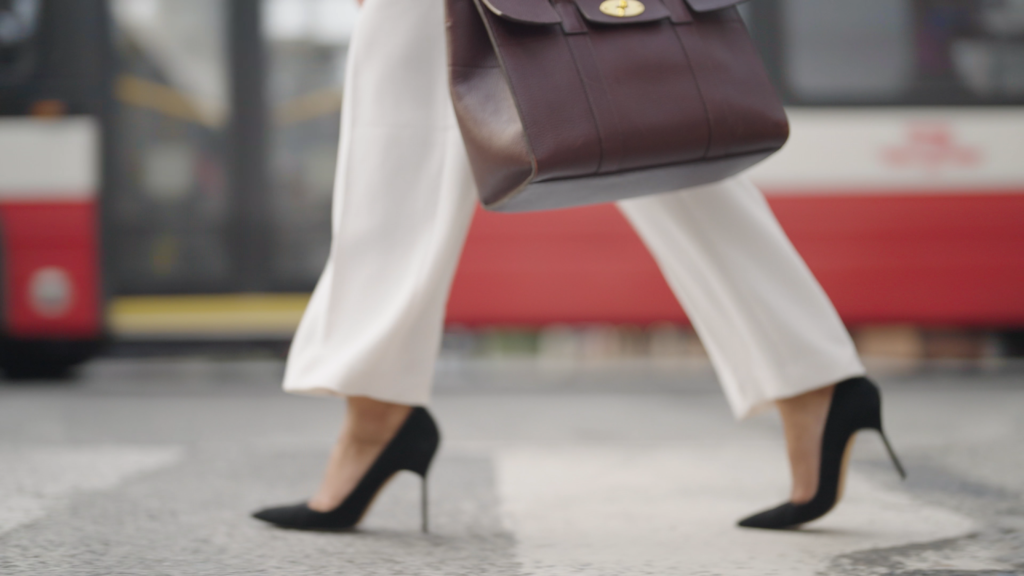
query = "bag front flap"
{"x": 524, "y": 11}
{"x": 542, "y": 12}
{"x": 712, "y": 5}
{"x": 622, "y": 11}
{"x": 598, "y": 11}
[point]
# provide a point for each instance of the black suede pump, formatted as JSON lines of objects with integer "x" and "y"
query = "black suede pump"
{"x": 856, "y": 405}
{"x": 412, "y": 449}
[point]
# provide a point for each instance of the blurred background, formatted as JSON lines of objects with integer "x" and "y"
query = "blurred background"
{"x": 166, "y": 169}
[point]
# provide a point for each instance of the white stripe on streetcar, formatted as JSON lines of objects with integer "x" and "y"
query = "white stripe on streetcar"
{"x": 891, "y": 150}
{"x": 49, "y": 159}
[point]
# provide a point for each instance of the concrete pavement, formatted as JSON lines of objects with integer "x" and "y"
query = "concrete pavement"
{"x": 626, "y": 467}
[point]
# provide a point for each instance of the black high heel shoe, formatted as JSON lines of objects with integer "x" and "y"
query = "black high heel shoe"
{"x": 412, "y": 449}
{"x": 856, "y": 405}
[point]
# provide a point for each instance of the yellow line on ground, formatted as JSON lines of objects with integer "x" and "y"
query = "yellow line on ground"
{"x": 214, "y": 315}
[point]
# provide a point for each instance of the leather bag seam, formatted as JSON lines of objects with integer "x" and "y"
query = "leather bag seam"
{"x": 583, "y": 82}
{"x": 603, "y": 85}
{"x": 613, "y": 112}
{"x": 697, "y": 84}
{"x": 590, "y": 100}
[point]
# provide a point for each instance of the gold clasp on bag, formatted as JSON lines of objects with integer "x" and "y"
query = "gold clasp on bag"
{"x": 622, "y": 8}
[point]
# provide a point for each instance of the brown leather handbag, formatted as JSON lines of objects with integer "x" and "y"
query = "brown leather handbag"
{"x": 571, "y": 102}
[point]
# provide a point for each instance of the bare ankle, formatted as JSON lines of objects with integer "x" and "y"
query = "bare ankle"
{"x": 369, "y": 426}
{"x": 803, "y": 421}
{"x": 372, "y": 422}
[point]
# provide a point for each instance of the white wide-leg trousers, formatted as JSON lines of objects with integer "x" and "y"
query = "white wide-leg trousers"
{"x": 403, "y": 200}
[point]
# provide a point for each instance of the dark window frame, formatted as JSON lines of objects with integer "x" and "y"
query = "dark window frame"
{"x": 767, "y": 28}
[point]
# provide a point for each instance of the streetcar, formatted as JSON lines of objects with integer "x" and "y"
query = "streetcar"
{"x": 177, "y": 163}
{"x": 53, "y": 105}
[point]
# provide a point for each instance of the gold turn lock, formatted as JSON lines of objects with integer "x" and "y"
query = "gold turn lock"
{"x": 622, "y": 8}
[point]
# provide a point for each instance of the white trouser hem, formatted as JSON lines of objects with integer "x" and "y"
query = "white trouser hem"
{"x": 374, "y": 392}
{"x": 744, "y": 408}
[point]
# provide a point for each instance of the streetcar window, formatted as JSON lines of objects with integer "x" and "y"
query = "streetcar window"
{"x": 990, "y": 61}
{"x": 169, "y": 215}
{"x": 902, "y": 51}
{"x": 837, "y": 48}
{"x": 307, "y": 45}
{"x": 18, "y": 21}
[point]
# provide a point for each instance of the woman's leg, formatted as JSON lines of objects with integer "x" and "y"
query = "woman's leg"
{"x": 403, "y": 202}
{"x": 369, "y": 426}
{"x": 769, "y": 329}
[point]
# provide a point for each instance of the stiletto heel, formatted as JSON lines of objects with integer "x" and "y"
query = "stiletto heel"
{"x": 892, "y": 455}
{"x": 423, "y": 505}
{"x": 412, "y": 449}
{"x": 856, "y": 405}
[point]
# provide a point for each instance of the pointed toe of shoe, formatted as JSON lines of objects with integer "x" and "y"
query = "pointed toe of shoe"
{"x": 302, "y": 517}
{"x": 295, "y": 515}
{"x": 778, "y": 518}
